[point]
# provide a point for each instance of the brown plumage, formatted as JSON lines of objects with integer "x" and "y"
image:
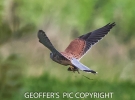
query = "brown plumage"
{"x": 76, "y": 49}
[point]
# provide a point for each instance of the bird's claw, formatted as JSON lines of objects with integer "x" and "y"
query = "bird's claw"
{"x": 71, "y": 68}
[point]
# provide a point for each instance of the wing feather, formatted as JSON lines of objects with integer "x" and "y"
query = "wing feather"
{"x": 93, "y": 37}
{"x": 80, "y": 66}
{"x": 78, "y": 47}
{"x": 46, "y": 42}
{"x": 75, "y": 49}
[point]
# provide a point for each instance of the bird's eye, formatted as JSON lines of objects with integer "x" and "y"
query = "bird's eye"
{"x": 51, "y": 54}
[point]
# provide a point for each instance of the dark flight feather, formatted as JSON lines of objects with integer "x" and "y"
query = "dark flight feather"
{"x": 93, "y": 37}
{"x": 46, "y": 42}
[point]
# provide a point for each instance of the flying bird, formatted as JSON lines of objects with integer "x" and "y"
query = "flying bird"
{"x": 76, "y": 49}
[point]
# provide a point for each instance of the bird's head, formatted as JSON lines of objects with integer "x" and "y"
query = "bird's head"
{"x": 54, "y": 57}
{"x": 51, "y": 55}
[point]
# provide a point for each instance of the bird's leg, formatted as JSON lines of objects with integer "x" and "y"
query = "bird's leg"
{"x": 72, "y": 68}
{"x": 76, "y": 69}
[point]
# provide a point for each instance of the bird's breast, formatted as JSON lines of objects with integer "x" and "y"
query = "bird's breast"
{"x": 62, "y": 61}
{"x": 65, "y": 62}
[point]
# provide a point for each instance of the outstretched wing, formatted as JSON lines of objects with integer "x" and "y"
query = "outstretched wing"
{"x": 78, "y": 47}
{"x": 82, "y": 67}
{"x": 46, "y": 42}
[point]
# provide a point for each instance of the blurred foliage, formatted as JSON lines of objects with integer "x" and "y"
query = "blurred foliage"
{"x": 10, "y": 76}
{"x": 17, "y": 16}
{"x": 45, "y": 83}
{"x": 11, "y": 24}
{"x": 20, "y": 20}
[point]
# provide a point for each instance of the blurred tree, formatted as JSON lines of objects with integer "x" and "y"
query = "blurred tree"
{"x": 22, "y": 17}
{"x": 10, "y": 76}
{"x": 11, "y": 23}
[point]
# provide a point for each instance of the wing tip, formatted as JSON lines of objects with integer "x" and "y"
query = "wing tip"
{"x": 112, "y": 24}
{"x": 91, "y": 71}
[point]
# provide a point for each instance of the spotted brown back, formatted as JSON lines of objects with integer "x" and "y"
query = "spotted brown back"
{"x": 75, "y": 49}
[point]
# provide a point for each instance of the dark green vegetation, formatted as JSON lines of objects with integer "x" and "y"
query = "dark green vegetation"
{"x": 25, "y": 64}
{"x": 45, "y": 83}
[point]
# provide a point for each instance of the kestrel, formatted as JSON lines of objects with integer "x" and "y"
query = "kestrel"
{"x": 76, "y": 49}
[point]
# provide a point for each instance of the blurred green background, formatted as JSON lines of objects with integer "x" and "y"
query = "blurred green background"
{"x": 25, "y": 64}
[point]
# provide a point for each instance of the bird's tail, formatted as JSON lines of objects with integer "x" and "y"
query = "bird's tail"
{"x": 90, "y": 71}
{"x": 82, "y": 67}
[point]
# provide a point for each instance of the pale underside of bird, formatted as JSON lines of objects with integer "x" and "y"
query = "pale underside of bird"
{"x": 76, "y": 49}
